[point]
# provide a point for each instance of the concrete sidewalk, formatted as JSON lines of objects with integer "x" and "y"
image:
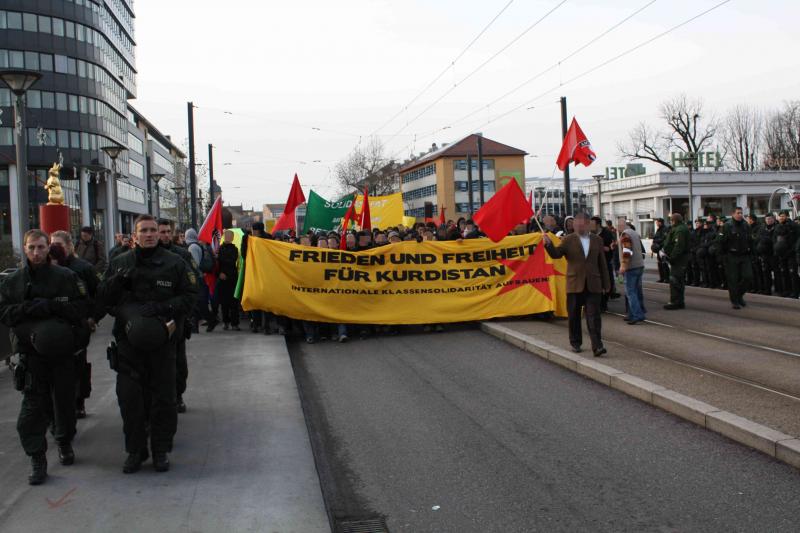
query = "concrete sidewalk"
{"x": 242, "y": 459}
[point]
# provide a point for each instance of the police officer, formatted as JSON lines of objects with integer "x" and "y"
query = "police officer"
{"x": 765, "y": 255}
{"x": 755, "y": 264}
{"x": 657, "y": 246}
{"x": 735, "y": 242}
{"x": 182, "y": 363}
{"x": 44, "y": 305}
{"x": 676, "y": 251}
{"x": 707, "y": 239}
{"x": 783, "y": 246}
{"x": 150, "y": 292}
{"x": 693, "y": 276}
{"x": 62, "y": 250}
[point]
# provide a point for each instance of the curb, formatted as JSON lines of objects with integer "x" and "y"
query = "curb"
{"x": 778, "y": 445}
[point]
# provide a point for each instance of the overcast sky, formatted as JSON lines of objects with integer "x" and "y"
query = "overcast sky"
{"x": 263, "y": 74}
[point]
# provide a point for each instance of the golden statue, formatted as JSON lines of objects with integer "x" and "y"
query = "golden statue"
{"x": 55, "y": 195}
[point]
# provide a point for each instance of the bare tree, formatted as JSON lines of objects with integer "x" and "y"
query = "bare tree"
{"x": 644, "y": 143}
{"x": 691, "y": 130}
{"x": 367, "y": 164}
{"x": 782, "y": 138}
{"x": 742, "y": 133}
{"x": 688, "y": 130}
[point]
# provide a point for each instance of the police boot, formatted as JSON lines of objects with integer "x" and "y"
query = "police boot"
{"x": 181, "y": 405}
{"x": 38, "y": 469}
{"x": 134, "y": 462}
{"x": 160, "y": 461}
{"x": 66, "y": 455}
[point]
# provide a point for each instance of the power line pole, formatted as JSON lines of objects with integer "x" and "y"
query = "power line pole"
{"x": 480, "y": 166}
{"x": 469, "y": 184}
{"x": 210, "y": 174}
{"x": 567, "y": 191}
{"x": 192, "y": 175}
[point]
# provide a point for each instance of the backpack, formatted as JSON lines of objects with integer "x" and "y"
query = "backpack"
{"x": 206, "y": 264}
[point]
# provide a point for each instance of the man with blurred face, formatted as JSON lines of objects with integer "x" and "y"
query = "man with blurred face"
{"x": 587, "y": 280}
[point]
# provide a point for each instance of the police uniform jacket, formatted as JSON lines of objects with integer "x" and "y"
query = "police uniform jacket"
{"x": 63, "y": 289}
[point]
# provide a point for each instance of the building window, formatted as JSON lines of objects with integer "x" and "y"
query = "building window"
{"x": 163, "y": 162}
{"x": 422, "y": 192}
{"x": 135, "y": 144}
{"x": 6, "y": 137}
{"x": 14, "y": 20}
{"x": 129, "y": 192}
{"x": 463, "y": 186}
{"x": 461, "y": 164}
{"x": 419, "y": 173}
{"x": 135, "y": 169}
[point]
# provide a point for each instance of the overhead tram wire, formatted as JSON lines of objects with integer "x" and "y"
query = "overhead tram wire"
{"x": 540, "y": 74}
{"x": 444, "y": 71}
{"x": 607, "y": 62}
{"x": 585, "y": 73}
{"x": 478, "y": 68}
{"x": 556, "y": 64}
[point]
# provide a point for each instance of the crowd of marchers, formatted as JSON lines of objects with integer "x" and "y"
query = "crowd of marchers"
{"x": 161, "y": 285}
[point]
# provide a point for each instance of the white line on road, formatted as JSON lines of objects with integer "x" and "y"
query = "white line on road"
{"x": 719, "y": 337}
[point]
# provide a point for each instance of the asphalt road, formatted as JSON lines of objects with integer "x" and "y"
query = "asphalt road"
{"x": 461, "y": 432}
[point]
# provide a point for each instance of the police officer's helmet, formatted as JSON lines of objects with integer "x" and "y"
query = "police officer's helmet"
{"x": 52, "y": 337}
{"x": 144, "y": 333}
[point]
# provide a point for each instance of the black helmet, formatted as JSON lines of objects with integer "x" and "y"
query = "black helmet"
{"x": 146, "y": 333}
{"x": 52, "y": 337}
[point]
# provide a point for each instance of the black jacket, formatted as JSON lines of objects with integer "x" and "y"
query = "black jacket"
{"x": 228, "y": 257}
{"x": 61, "y": 287}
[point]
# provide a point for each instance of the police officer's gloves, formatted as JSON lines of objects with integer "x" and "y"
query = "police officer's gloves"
{"x": 38, "y": 308}
{"x": 156, "y": 309}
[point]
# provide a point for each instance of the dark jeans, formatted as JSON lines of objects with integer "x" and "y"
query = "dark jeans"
{"x": 589, "y": 302}
{"x": 150, "y": 396}
{"x": 201, "y": 309}
{"x": 663, "y": 269}
{"x": 633, "y": 290}
{"x": 50, "y": 393}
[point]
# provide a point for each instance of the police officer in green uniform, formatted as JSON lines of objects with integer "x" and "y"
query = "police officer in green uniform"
{"x": 783, "y": 246}
{"x": 149, "y": 291}
{"x": 182, "y": 371}
{"x": 735, "y": 241}
{"x": 62, "y": 250}
{"x": 757, "y": 285}
{"x": 693, "y": 269}
{"x": 44, "y": 306}
{"x": 676, "y": 251}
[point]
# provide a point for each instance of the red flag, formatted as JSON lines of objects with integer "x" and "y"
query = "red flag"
{"x": 350, "y": 215}
{"x": 442, "y": 220}
{"x": 576, "y": 148}
{"x": 296, "y": 197}
{"x": 210, "y": 233}
{"x": 365, "y": 220}
{"x": 212, "y": 227}
{"x": 503, "y": 211}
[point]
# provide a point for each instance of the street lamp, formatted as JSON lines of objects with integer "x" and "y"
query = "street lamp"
{"x": 19, "y": 81}
{"x": 598, "y": 178}
{"x": 540, "y": 196}
{"x": 689, "y": 160}
{"x": 179, "y": 199}
{"x": 156, "y": 178}
{"x": 113, "y": 152}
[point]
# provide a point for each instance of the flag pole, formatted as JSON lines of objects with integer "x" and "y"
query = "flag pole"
{"x": 564, "y": 128}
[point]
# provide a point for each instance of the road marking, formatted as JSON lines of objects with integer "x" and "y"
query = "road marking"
{"x": 712, "y": 372}
{"x": 719, "y": 337}
{"x": 61, "y": 501}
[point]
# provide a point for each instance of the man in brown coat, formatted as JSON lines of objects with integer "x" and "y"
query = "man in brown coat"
{"x": 587, "y": 280}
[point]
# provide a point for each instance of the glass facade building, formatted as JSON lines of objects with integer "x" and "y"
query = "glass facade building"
{"x": 85, "y": 52}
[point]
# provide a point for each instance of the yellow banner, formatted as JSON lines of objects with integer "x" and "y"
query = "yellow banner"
{"x": 406, "y": 282}
{"x": 384, "y": 211}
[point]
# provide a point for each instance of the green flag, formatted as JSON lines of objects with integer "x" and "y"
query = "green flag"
{"x": 322, "y": 214}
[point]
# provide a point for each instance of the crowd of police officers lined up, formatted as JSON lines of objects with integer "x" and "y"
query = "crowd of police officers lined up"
{"x": 52, "y": 305}
{"x": 741, "y": 254}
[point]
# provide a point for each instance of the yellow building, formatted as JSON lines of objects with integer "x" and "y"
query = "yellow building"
{"x": 441, "y": 178}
